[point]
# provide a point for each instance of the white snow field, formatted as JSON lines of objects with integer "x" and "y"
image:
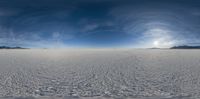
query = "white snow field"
{"x": 100, "y": 74}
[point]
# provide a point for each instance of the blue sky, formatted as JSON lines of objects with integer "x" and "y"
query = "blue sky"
{"x": 99, "y": 23}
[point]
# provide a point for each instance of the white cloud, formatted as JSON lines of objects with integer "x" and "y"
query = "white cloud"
{"x": 89, "y": 27}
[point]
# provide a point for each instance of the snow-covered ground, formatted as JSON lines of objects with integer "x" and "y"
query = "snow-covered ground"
{"x": 100, "y": 74}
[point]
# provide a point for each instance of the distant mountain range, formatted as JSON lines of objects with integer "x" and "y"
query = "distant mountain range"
{"x": 8, "y": 47}
{"x": 185, "y": 47}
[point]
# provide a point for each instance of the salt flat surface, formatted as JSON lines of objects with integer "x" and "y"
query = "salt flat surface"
{"x": 100, "y": 74}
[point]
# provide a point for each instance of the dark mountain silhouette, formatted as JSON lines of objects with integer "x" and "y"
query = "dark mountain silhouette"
{"x": 8, "y": 47}
{"x": 185, "y": 47}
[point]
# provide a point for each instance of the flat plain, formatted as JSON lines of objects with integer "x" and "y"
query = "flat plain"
{"x": 99, "y": 74}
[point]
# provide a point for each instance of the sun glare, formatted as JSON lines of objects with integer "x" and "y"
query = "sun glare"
{"x": 156, "y": 43}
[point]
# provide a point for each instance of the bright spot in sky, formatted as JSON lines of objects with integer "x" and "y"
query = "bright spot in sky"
{"x": 159, "y": 37}
{"x": 156, "y": 43}
{"x": 162, "y": 43}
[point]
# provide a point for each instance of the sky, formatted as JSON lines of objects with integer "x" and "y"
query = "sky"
{"x": 99, "y": 23}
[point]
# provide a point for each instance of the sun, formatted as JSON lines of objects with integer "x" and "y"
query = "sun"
{"x": 156, "y": 43}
